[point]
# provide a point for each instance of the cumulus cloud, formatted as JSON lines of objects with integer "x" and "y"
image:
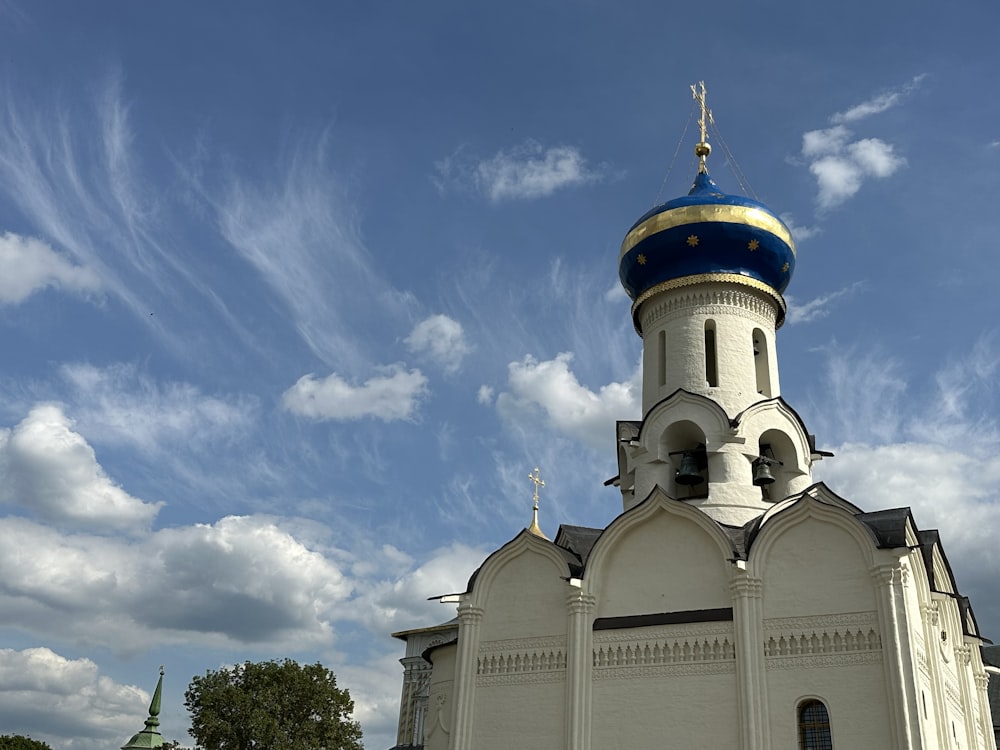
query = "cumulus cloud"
{"x": 28, "y": 265}
{"x": 243, "y": 579}
{"x": 569, "y": 406}
{"x": 49, "y": 469}
{"x": 840, "y": 162}
{"x": 529, "y": 170}
{"x": 389, "y": 397}
{"x": 816, "y": 308}
{"x": 441, "y": 338}
{"x": 69, "y": 697}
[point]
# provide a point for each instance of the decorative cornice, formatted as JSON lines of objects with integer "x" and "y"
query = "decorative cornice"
{"x": 714, "y": 300}
{"x": 512, "y": 645}
{"x": 820, "y": 622}
{"x": 702, "y": 278}
{"x": 664, "y": 632}
{"x": 824, "y": 660}
{"x": 664, "y": 670}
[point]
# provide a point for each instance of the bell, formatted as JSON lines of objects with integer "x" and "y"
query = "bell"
{"x": 688, "y": 473}
{"x": 762, "y": 473}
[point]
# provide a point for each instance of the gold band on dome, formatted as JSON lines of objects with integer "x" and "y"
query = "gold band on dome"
{"x": 707, "y": 212}
{"x": 702, "y": 278}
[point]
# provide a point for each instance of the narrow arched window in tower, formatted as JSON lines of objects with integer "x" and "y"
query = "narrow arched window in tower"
{"x": 814, "y": 726}
{"x": 661, "y": 359}
{"x": 711, "y": 357}
{"x": 761, "y": 363}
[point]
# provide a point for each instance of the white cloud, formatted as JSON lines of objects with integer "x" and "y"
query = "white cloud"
{"x": 388, "y": 397}
{"x": 49, "y": 469}
{"x": 243, "y": 579}
{"x": 119, "y": 404}
{"x": 799, "y": 232}
{"x": 69, "y": 697}
{"x": 840, "y": 163}
{"x": 840, "y": 174}
{"x": 816, "y": 308}
{"x": 442, "y": 338}
{"x": 569, "y": 406}
{"x": 485, "y": 395}
{"x": 879, "y": 103}
{"x": 28, "y": 265}
{"x": 529, "y": 170}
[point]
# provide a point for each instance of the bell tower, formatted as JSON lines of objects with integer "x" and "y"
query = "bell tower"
{"x": 706, "y": 272}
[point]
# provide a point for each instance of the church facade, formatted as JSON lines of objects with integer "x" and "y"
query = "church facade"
{"x": 734, "y": 602}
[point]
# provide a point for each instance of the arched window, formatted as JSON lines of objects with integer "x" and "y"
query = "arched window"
{"x": 814, "y": 726}
{"x": 711, "y": 361}
{"x": 661, "y": 358}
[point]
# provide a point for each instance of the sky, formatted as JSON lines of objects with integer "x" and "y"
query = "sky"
{"x": 293, "y": 297}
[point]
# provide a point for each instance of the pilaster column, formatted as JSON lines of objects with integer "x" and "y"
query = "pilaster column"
{"x": 897, "y": 659}
{"x": 982, "y": 682}
{"x": 963, "y": 660}
{"x": 579, "y": 663}
{"x": 466, "y": 667}
{"x": 930, "y": 616}
{"x": 751, "y": 680}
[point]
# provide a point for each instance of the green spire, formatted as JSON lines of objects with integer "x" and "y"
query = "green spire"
{"x": 149, "y": 737}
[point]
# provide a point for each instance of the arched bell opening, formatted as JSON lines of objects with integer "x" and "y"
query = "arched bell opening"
{"x": 774, "y": 465}
{"x": 683, "y": 446}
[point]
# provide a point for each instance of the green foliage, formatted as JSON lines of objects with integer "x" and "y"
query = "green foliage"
{"x": 271, "y": 705}
{"x": 20, "y": 742}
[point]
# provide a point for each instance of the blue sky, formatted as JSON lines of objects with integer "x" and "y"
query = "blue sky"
{"x": 292, "y": 299}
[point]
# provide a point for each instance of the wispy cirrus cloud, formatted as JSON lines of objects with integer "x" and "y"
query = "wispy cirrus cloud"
{"x": 818, "y": 307}
{"x": 301, "y": 232}
{"x": 841, "y": 162}
{"x": 529, "y": 170}
{"x": 395, "y": 394}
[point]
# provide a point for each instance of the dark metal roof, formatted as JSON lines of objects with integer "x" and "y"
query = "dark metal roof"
{"x": 889, "y": 526}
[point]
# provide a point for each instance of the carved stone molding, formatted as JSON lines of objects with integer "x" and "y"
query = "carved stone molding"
{"x": 712, "y": 301}
{"x": 820, "y": 622}
{"x": 664, "y": 670}
{"x": 823, "y": 642}
{"x": 664, "y": 632}
{"x": 524, "y": 678}
{"x": 824, "y": 660}
{"x": 513, "y": 645}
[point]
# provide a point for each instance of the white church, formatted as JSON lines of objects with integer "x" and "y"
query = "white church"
{"x": 734, "y": 603}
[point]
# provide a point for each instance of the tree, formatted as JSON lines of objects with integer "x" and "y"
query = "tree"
{"x": 271, "y": 705}
{"x": 20, "y": 742}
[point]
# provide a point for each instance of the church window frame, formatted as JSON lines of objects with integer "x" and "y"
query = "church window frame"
{"x": 711, "y": 355}
{"x": 812, "y": 718}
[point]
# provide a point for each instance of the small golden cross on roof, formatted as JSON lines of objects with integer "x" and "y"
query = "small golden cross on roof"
{"x": 535, "y": 528}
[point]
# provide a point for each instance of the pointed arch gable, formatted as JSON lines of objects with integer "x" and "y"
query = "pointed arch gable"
{"x": 662, "y": 555}
{"x": 814, "y": 558}
{"x": 818, "y": 502}
{"x": 525, "y": 543}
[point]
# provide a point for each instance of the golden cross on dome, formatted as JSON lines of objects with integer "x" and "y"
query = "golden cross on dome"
{"x": 539, "y": 482}
{"x": 702, "y": 148}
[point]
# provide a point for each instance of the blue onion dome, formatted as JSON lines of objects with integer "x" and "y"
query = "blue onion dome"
{"x": 707, "y": 235}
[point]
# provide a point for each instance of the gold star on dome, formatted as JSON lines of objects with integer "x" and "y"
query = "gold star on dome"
{"x": 693, "y": 240}
{"x": 784, "y": 268}
{"x": 753, "y": 245}
{"x": 641, "y": 259}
